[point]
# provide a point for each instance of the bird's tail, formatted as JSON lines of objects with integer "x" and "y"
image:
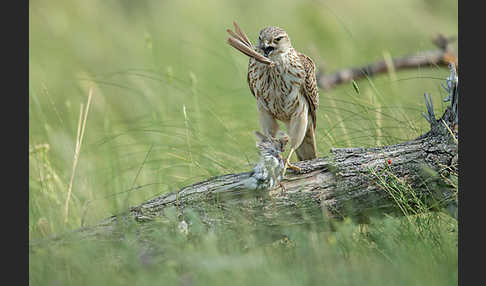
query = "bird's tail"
{"x": 307, "y": 150}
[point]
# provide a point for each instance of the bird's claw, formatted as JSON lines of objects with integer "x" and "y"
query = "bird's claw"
{"x": 295, "y": 168}
{"x": 291, "y": 166}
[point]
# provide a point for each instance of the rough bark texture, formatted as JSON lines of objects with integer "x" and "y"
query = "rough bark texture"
{"x": 339, "y": 185}
{"x": 345, "y": 183}
{"x": 342, "y": 184}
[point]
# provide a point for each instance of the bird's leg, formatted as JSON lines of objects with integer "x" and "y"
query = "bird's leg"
{"x": 290, "y": 165}
{"x": 296, "y": 128}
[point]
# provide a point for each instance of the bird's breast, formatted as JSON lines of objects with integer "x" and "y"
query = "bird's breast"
{"x": 278, "y": 89}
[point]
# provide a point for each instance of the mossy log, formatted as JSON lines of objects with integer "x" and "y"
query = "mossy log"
{"x": 349, "y": 182}
{"x": 346, "y": 183}
{"x": 341, "y": 184}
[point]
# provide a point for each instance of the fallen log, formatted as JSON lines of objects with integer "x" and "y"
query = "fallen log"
{"x": 348, "y": 182}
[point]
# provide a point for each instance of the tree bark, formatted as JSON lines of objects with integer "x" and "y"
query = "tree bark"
{"x": 343, "y": 184}
{"x": 347, "y": 183}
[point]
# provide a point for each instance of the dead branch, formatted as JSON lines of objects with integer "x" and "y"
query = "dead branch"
{"x": 441, "y": 57}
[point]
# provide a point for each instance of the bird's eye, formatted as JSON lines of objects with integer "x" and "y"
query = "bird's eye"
{"x": 279, "y": 38}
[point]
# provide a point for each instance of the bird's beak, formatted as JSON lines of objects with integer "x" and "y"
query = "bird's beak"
{"x": 267, "y": 50}
{"x": 280, "y": 156}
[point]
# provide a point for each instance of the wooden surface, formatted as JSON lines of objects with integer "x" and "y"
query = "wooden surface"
{"x": 345, "y": 183}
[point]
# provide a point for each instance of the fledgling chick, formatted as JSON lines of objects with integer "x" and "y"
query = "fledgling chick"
{"x": 268, "y": 172}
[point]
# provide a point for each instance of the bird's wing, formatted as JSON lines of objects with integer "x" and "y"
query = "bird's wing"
{"x": 250, "y": 77}
{"x": 311, "y": 91}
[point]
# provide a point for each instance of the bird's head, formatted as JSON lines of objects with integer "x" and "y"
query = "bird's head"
{"x": 273, "y": 41}
{"x": 271, "y": 146}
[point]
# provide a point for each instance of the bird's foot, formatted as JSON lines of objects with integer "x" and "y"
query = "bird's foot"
{"x": 295, "y": 168}
{"x": 291, "y": 166}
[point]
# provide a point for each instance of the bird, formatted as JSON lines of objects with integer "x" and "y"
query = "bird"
{"x": 283, "y": 81}
{"x": 267, "y": 173}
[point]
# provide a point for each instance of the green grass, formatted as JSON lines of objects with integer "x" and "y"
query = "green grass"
{"x": 171, "y": 107}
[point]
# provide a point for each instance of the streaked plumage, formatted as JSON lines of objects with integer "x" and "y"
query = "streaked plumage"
{"x": 285, "y": 90}
{"x": 268, "y": 172}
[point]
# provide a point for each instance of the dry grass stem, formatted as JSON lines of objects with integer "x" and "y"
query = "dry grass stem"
{"x": 450, "y": 131}
{"x": 79, "y": 140}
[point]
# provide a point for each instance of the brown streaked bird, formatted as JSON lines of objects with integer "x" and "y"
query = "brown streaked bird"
{"x": 285, "y": 89}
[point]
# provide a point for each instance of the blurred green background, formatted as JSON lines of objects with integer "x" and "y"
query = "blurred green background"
{"x": 171, "y": 107}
